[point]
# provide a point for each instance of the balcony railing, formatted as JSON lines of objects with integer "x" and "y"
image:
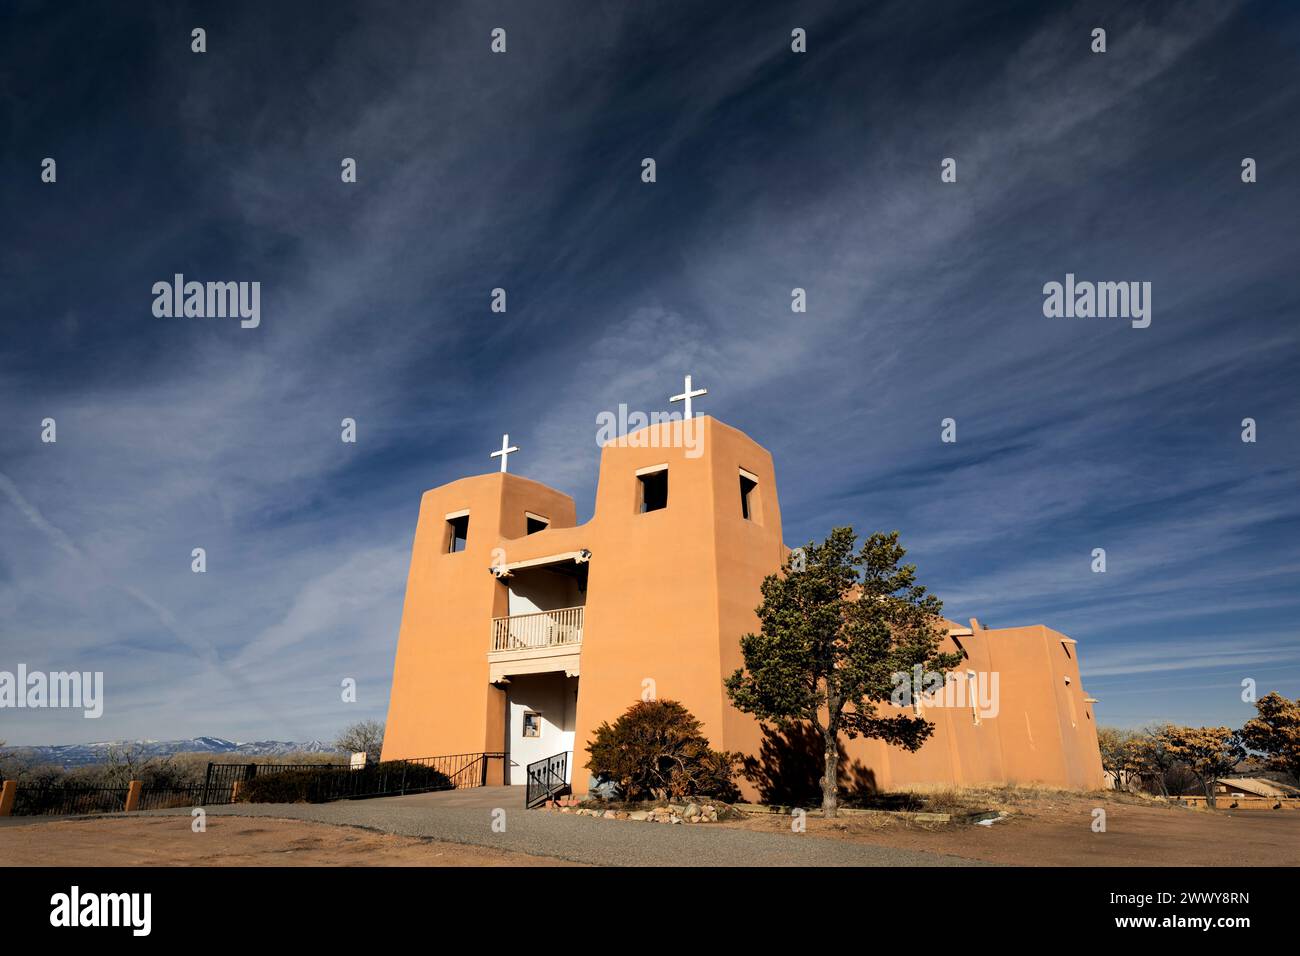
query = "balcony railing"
{"x": 519, "y": 632}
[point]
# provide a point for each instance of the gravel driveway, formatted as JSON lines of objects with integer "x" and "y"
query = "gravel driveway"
{"x": 467, "y": 817}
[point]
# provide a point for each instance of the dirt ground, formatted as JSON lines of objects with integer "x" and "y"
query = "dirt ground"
{"x": 1043, "y": 828}
{"x": 234, "y": 841}
{"x": 1055, "y": 829}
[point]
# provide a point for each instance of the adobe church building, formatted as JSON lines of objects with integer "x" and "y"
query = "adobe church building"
{"x": 522, "y": 631}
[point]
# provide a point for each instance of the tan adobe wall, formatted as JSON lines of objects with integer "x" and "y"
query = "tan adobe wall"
{"x": 669, "y": 594}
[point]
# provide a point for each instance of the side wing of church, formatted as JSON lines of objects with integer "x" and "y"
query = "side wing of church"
{"x": 523, "y": 631}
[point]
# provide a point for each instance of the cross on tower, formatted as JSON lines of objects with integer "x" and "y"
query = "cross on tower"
{"x": 686, "y": 397}
{"x": 506, "y": 450}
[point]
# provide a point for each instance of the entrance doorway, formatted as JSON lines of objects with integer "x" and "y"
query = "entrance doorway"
{"x": 540, "y": 718}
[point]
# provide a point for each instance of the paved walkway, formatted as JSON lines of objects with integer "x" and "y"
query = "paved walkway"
{"x": 466, "y": 816}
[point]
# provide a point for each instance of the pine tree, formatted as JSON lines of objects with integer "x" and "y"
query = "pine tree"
{"x": 839, "y": 629}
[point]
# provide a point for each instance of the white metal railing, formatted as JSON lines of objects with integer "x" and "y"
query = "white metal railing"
{"x": 537, "y": 630}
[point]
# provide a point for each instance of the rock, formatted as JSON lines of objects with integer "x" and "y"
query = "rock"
{"x": 610, "y": 815}
{"x": 691, "y": 810}
{"x": 674, "y": 819}
{"x": 638, "y": 815}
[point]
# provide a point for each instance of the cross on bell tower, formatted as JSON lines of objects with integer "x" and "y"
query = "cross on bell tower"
{"x": 506, "y": 450}
{"x": 686, "y": 397}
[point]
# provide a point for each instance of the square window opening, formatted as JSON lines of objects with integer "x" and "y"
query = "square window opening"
{"x": 748, "y": 499}
{"x": 532, "y": 724}
{"x": 537, "y": 523}
{"x": 457, "y": 533}
{"x": 654, "y": 490}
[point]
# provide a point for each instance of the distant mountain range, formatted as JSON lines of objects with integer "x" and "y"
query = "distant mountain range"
{"x": 78, "y": 755}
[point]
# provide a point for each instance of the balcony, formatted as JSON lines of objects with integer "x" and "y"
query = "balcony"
{"x": 536, "y": 643}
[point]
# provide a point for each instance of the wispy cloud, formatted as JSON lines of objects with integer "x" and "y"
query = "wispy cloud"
{"x": 775, "y": 172}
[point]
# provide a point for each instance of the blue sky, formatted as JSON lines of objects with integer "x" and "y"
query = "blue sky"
{"x": 522, "y": 171}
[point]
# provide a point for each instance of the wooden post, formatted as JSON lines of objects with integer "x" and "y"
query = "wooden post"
{"x": 234, "y": 791}
{"x": 7, "y": 795}
{"x": 133, "y": 795}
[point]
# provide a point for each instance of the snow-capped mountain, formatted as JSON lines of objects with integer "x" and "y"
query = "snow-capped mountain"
{"x": 76, "y": 755}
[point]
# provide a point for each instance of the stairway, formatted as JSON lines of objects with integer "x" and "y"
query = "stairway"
{"x": 546, "y": 779}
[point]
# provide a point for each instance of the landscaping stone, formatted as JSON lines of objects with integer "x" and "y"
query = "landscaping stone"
{"x": 672, "y": 813}
{"x": 914, "y": 815}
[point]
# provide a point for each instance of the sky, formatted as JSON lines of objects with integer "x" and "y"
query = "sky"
{"x": 522, "y": 170}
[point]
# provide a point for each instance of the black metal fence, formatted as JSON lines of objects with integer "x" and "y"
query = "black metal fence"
{"x": 219, "y": 784}
{"x": 325, "y": 782}
{"x": 56, "y": 799}
{"x": 166, "y": 798}
{"x": 317, "y": 782}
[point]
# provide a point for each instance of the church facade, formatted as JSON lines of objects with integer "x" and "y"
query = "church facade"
{"x": 522, "y": 630}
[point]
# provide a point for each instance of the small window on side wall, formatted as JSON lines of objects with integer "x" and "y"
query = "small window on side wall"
{"x": 532, "y": 724}
{"x": 748, "y": 496}
{"x": 653, "y": 489}
{"x": 457, "y": 532}
{"x": 536, "y": 523}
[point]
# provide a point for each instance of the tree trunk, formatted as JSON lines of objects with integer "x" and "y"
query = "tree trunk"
{"x": 1208, "y": 784}
{"x": 831, "y": 774}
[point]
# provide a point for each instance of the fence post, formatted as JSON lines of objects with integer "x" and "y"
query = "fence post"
{"x": 133, "y": 795}
{"x": 207, "y": 782}
{"x": 7, "y": 795}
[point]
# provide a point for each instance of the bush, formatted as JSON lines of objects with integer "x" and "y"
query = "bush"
{"x": 657, "y": 750}
{"x": 287, "y": 786}
{"x": 340, "y": 783}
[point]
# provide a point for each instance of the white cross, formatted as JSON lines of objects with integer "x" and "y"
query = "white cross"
{"x": 506, "y": 450}
{"x": 686, "y": 397}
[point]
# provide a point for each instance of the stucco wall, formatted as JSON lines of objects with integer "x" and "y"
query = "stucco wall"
{"x": 669, "y": 594}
